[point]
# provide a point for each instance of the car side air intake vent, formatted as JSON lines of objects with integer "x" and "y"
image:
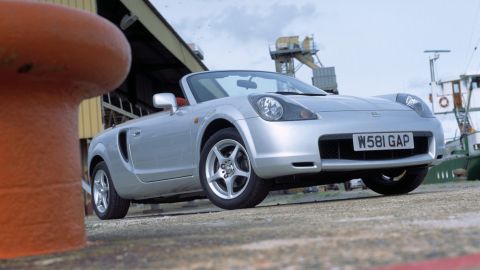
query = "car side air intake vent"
{"x": 122, "y": 144}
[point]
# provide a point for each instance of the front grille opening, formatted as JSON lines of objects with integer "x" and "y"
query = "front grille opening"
{"x": 343, "y": 149}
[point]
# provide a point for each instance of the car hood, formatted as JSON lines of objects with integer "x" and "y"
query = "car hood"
{"x": 332, "y": 103}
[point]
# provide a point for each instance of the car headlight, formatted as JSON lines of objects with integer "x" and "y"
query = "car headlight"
{"x": 415, "y": 103}
{"x": 273, "y": 108}
{"x": 270, "y": 108}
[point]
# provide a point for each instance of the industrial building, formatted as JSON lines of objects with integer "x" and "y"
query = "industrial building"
{"x": 159, "y": 59}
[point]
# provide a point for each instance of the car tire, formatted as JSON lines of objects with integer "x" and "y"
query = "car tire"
{"x": 396, "y": 182}
{"x": 226, "y": 173}
{"x": 106, "y": 202}
{"x": 347, "y": 185}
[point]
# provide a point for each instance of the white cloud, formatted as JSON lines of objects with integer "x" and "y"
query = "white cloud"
{"x": 248, "y": 23}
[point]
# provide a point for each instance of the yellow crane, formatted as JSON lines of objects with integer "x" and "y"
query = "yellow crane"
{"x": 287, "y": 49}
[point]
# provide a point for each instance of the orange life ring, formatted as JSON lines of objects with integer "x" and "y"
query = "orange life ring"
{"x": 443, "y": 102}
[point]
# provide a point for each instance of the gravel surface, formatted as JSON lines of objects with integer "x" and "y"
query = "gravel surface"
{"x": 332, "y": 230}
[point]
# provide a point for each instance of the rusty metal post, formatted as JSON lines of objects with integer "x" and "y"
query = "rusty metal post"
{"x": 51, "y": 57}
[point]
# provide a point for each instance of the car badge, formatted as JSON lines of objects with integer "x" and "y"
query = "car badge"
{"x": 375, "y": 114}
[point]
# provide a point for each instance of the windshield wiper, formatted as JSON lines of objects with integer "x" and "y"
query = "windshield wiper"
{"x": 299, "y": 94}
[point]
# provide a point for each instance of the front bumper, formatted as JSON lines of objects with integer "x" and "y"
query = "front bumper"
{"x": 289, "y": 148}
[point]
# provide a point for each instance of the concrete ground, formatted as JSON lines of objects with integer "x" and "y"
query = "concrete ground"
{"x": 329, "y": 230}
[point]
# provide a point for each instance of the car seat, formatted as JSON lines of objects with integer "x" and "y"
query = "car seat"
{"x": 181, "y": 102}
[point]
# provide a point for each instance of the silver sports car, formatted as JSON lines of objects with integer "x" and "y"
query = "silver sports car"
{"x": 235, "y": 135}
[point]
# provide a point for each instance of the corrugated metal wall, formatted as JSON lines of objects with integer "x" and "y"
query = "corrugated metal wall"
{"x": 90, "y": 118}
{"x": 90, "y": 112}
{"x": 90, "y": 5}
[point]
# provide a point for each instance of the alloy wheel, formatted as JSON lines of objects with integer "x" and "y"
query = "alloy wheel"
{"x": 101, "y": 190}
{"x": 227, "y": 169}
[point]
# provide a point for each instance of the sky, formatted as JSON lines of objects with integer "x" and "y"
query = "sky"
{"x": 376, "y": 46}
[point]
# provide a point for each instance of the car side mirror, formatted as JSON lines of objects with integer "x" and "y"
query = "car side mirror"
{"x": 166, "y": 101}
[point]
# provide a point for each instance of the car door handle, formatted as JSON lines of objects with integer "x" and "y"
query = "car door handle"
{"x": 136, "y": 133}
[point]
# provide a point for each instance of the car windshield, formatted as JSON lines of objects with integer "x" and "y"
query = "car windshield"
{"x": 212, "y": 85}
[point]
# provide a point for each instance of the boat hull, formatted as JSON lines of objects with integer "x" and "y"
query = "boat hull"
{"x": 454, "y": 169}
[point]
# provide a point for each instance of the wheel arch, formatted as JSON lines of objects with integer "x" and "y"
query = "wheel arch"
{"x": 213, "y": 127}
{"x": 95, "y": 160}
{"x": 96, "y": 154}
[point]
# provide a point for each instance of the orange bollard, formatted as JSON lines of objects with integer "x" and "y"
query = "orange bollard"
{"x": 51, "y": 57}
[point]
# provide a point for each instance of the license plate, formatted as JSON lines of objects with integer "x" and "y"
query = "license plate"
{"x": 382, "y": 141}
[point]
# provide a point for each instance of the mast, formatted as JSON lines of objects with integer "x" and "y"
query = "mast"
{"x": 433, "y": 81}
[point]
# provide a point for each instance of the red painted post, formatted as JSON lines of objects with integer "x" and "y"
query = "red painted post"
{"x": 51, "y": 57}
